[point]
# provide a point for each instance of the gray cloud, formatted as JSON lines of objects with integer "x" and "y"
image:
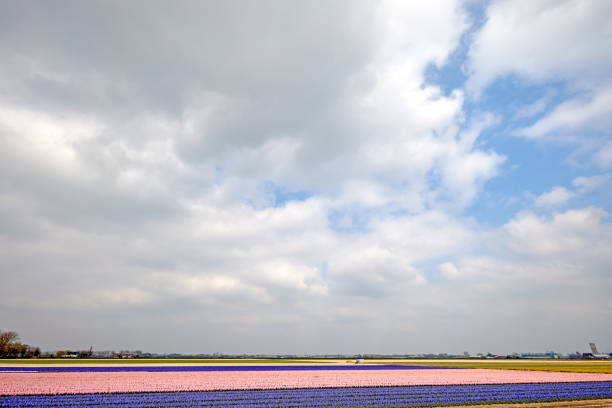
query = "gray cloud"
{"x": 149, "y": 156}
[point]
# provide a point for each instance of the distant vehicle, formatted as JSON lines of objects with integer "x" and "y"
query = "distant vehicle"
{"x": 597, "y": 354}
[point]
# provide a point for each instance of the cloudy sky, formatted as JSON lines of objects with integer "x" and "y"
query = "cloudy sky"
{"x": 306, "y": 177}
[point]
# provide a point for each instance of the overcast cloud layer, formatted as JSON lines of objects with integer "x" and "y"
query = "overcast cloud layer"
{"x": 306, "y": 177}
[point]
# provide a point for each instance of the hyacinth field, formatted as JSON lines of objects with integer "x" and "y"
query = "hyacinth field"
{"x": 289, "y": 386}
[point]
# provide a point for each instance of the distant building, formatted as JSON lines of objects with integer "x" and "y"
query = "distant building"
{"x": 103, "y": 354}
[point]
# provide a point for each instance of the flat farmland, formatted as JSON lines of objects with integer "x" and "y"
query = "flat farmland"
{"x": 153, "y": 361}
{"x": 574, "y": 366}
{"x": 309, "y": 383}
{"x": 578, "y": 366}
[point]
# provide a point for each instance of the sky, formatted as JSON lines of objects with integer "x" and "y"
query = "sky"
{"x": 307, "y": 177}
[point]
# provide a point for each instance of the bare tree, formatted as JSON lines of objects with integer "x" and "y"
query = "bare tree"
{"x": 7, "y": 340}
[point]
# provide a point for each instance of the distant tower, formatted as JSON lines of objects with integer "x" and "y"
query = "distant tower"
{"x": 593, "y": 348}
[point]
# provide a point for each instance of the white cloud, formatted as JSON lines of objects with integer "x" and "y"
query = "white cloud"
{"x": 586, "y": 185}
{"x": 543, "y": 265}
{"x": 373, "y": 272}
{"x": 603, "y": 157}
{"x": 542, "y": 40}
{"x": 551, "y": 42}
{"x": 291, "y": 276}
{"x": 423, "y": 236}
{"x": 535, "y": 107}
{"x": 574, "y": 116}
{"x": 47, "y": 140}
{"x": 464, "y": 175}
{"x": 560, "y": 195}
{"x": 557, "y": 196}
{"x": 575, "y": 234}
{"x": 120, "y": 296}
{"x": 449, "y": 270}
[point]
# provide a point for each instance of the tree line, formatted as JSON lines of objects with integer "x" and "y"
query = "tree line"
{"x": 11, "y": 347}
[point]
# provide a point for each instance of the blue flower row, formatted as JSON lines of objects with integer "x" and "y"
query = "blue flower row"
{"x": 410, "y": 396}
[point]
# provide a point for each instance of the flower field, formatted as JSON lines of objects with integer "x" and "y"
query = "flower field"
{"x": 174, "y": 368}
{"x": 412, "y": 396}
{"x": 304, "y": 386}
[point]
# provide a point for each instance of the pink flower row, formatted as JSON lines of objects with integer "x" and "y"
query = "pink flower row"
{"x": 97, "y": 382}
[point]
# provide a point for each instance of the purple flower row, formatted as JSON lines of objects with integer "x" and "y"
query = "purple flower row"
{"x": 411, "y": 396}
{"x": 220, "y": 368}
